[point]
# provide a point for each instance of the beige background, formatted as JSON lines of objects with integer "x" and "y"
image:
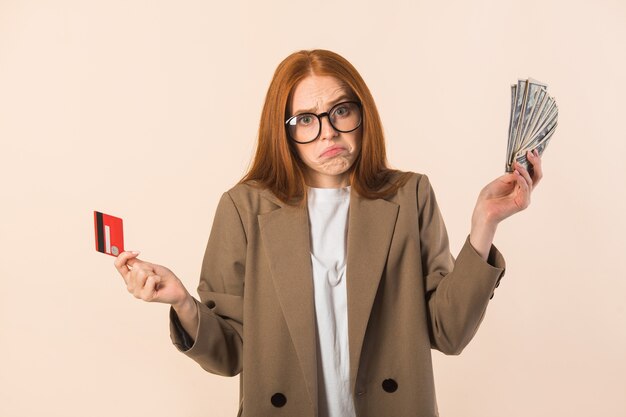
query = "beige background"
{"x": 148, "y": 110}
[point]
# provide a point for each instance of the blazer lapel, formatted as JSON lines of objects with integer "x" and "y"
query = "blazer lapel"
{"x": 285, "y": 234}
{"x": 370, "y": 228}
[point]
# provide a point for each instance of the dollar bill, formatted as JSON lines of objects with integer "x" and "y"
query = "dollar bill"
{"x": 532, "y": 122}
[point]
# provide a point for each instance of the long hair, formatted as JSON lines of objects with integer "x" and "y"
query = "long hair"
{"x": 276, "y": 164}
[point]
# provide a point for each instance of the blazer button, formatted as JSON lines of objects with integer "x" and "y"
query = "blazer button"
{"x": 279, "y": 400}
{"x": 390, "y": 385}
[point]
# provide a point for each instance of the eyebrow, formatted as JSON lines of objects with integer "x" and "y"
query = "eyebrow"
{"x": 343, "y": 96}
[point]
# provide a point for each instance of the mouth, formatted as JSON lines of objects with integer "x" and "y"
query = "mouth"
{"x": 333, "y": 150}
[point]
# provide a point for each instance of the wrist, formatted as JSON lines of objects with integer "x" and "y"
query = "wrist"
{"x": 186, "y": 304}
{"x": 481, "y": 235}
{"x": 482, "y": 218}
{"x": 483, "y": 226}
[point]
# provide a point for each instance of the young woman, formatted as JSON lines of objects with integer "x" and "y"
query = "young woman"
{"x": 327, "y": 277}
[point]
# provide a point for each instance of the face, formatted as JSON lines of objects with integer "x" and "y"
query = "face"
{"x": 325, "y": 168}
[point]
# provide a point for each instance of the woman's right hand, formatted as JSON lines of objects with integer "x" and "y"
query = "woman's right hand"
{"x": 151, "y": 282}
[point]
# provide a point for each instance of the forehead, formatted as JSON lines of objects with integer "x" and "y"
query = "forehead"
{"x": 315, "y": 92}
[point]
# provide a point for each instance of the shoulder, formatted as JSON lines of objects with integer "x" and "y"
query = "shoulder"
{"x": 411, "y": 183}
{"x": 252, "y": 198}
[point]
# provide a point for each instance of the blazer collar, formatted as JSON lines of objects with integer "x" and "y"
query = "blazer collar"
{"x": 285, "y": 233}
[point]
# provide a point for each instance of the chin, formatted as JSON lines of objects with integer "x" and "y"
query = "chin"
{"x": 339, "y": 165}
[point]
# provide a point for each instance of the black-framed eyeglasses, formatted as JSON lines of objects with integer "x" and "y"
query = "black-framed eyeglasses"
{"x": 344, "y": 117}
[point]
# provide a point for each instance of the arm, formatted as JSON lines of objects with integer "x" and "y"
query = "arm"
{"x": 500, "y": 199}
{"x": 217, "y": 328}
{"x": 457, "y": 291}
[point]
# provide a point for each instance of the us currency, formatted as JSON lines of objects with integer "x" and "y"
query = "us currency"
{"x": 534, "y": 87}
{"x": 532, "y": 122}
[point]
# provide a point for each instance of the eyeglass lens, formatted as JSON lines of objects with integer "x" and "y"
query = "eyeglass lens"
{"x": 306, "y": 127}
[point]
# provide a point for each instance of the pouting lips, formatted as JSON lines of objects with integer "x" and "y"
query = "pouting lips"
{"x": 333, "y": 150}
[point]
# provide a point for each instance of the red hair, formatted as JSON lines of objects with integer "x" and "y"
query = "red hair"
{"x": 276, "y": 164}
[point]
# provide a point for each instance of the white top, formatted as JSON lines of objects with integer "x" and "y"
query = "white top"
{"x": 328, "y": 221}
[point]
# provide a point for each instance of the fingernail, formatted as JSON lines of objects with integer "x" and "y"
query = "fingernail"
{"x": 135, "y": 252}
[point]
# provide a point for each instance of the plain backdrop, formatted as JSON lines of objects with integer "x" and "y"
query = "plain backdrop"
{"x": 148, "y": 110}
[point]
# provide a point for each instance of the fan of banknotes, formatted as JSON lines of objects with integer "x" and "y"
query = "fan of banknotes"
{"x": 533, "y": 121}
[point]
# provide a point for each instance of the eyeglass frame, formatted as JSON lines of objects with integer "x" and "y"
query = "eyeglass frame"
{"x": 327, "y": 115}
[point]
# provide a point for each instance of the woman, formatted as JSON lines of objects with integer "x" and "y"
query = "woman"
{"x": 338, "y": 266}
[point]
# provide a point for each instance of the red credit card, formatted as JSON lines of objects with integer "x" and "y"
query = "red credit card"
{"x": 109, "y": 233}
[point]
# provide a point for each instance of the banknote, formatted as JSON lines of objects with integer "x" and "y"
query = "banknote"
{"x": 532, "y": 122}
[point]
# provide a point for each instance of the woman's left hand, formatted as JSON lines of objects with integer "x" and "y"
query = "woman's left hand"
{"x": 501, "y": 198}
{"x": 509, "y": 193}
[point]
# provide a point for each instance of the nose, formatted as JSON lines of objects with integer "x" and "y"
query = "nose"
{"x": 327, "y": 130}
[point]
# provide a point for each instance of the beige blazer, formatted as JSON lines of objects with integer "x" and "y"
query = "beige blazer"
{"x": 406, "y": 295}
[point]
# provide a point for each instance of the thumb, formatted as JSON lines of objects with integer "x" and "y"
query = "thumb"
{"x": 157, "y": 283}
{"x": 161, "y": 270}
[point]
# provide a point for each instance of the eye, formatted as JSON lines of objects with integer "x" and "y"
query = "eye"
{"x": 305, "y": 120}
{"x": 342, "y": 111}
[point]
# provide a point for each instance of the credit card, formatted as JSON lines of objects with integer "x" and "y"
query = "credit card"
{"x": 109, "y": 233}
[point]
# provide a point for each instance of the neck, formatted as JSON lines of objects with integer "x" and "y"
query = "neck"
{"x": 328, "y": 181}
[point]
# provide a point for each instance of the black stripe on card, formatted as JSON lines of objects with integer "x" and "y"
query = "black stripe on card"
{"x": 100, "y": 229}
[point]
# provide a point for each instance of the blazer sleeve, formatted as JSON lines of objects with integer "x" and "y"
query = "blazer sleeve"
{"x": 218, "y": 343}
{"x": 457, "y": 291}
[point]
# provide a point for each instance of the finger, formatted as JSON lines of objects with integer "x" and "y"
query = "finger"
{"x": 149, "y": 290}
{"x": 136, "y": 262}
{"x": 524, "y": 195}
{"x": 139, "y": 275}
{"x": 508, "y": 178}
{"x": 130, "y": 264}
{"x": 535, "y": 159}
{"x": 504, "y": 184}
{"x": 524, "y": 172}
{"x": 160, "y": 270}
{"x": 121, "y": 262}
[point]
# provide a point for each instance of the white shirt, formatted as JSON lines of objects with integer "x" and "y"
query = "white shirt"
{"x": 328, "y": 221}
